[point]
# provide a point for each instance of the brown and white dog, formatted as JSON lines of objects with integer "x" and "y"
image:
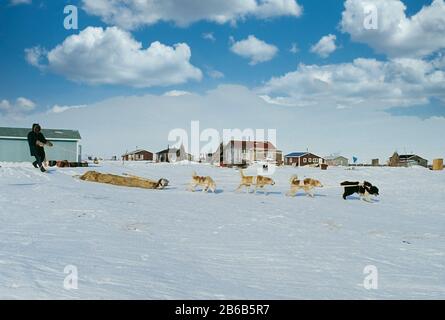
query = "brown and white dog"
{"x": 258, "y": 182}
{"x": 308, "y": 185}
{"x": 206, "y": 183}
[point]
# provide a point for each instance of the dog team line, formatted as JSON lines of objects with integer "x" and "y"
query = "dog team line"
{"x": 365, "y": 189}
{"x": 250, "y": 183}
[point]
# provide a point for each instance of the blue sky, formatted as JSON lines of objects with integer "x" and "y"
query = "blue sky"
{"x": 393, "y": 69}
{"x": 41, "y": 23}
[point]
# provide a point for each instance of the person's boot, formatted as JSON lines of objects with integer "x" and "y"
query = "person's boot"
{"x": 35, "y": 164}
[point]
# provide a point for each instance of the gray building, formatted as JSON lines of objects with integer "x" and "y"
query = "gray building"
{"x": 14, "y": 145}
{"x": 173, "y": 155}
{"x": 337, "y": 161}
{"x": 407, "y": 160}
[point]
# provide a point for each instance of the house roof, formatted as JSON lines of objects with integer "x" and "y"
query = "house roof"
{"x": 409, "y": 156}
{"x": 296, "y": 154}
{"x": 253, "y": 144}
{"x": 135, "y": 152}
{"x": 169, "y": 150}
{"x": 301, "y": 154}
{"x": 335, "y": 158}
{"x": 51, "y": 134}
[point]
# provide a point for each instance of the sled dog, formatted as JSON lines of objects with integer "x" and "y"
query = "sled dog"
{"x": 364, "y": 190}
{"x": 307, "y": 185}
{"x": 206, "y": 183}
{"x": 258, "y": 182}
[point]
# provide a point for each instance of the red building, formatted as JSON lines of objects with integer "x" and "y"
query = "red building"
{"x": 239, "y": 153}
{"x": 301, "y": 159}
{"x": 138, "y": 155}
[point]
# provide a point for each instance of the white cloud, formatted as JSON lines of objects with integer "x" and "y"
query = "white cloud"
{"x": 59, "y": 109}
{"x": 325, "y": 46}
{"x": 20, "y": 106}
{"x": 113, "y": 56}
{"x": 294, "y": 48}
{"x": 176, "y": 93}
{"x": 17, "y": 2}
{"x": 396, "y": 35}
{"x": 325, "y": 130}
{"x": 364, "y": 82}
{"x": 215, "y": 74}
{"x": 279, "y": 101}
{"x": 25, "y": 104}
{"x": 209, "y": 36}
{"x": 35, "y": 55}
{"x": 5, "y": 105}
{"x": 254, "y": 49}
{"x": 131, "y": 14}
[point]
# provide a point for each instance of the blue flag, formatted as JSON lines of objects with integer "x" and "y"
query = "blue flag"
{"x": 354, "y": 159}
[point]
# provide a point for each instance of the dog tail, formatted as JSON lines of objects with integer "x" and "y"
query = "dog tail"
{"x": 347, "y": 183}
{"x": 294, "y": 177}
{"x": 241, "y": 173}
{"x": 194, "y": 174}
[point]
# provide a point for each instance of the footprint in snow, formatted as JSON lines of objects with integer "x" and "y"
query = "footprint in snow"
{"x": 332, "y": 225}
{"x": 86, "y": 214}
{"x": 136, "y": 227}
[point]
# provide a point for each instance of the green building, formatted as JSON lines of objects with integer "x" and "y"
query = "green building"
{"x": 14, "y": 145}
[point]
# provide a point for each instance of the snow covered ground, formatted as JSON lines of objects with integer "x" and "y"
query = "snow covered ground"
{"x": 145, "y": 244}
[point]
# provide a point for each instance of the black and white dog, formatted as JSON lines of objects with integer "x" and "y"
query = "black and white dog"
{"x": 364, "y": 189}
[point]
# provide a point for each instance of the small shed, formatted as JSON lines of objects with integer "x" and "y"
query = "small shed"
{"x": 438, "y": 164}
{"x": 337, "y": 161}
{"x": 14, "y": 145}
{"x": 173, "y": 155}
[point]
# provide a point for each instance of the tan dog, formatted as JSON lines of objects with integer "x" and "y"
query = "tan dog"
{"x": 246, "y": 181}
{"x": 258, "y": 182}
{"x": 308, "y": 185}
{"x": 206, "y": 183}
{"x": 129, "y": 181}
{"x": 262, "y": 182}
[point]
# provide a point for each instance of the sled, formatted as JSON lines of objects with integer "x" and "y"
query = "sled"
{"x": 124, "y": 181}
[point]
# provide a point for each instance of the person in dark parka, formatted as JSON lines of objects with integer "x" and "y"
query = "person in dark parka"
{"x": 36, "y": 142}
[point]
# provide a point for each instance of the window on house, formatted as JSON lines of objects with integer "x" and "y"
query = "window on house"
{"x": 304, "y": 160}
{"x": 310, "y": 160}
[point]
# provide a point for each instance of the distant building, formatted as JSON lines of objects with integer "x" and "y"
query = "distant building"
{"x": 407, "y": 160}
{"x": 301, "y": 159}
{"x": 173, "y": 155}
{"x": 243, "y": 153}
{"x": 375, "y": 162}
{"x": 337, "y": 161}
{"x": 138, "y": 155}
{"x": 14, "y": 145}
